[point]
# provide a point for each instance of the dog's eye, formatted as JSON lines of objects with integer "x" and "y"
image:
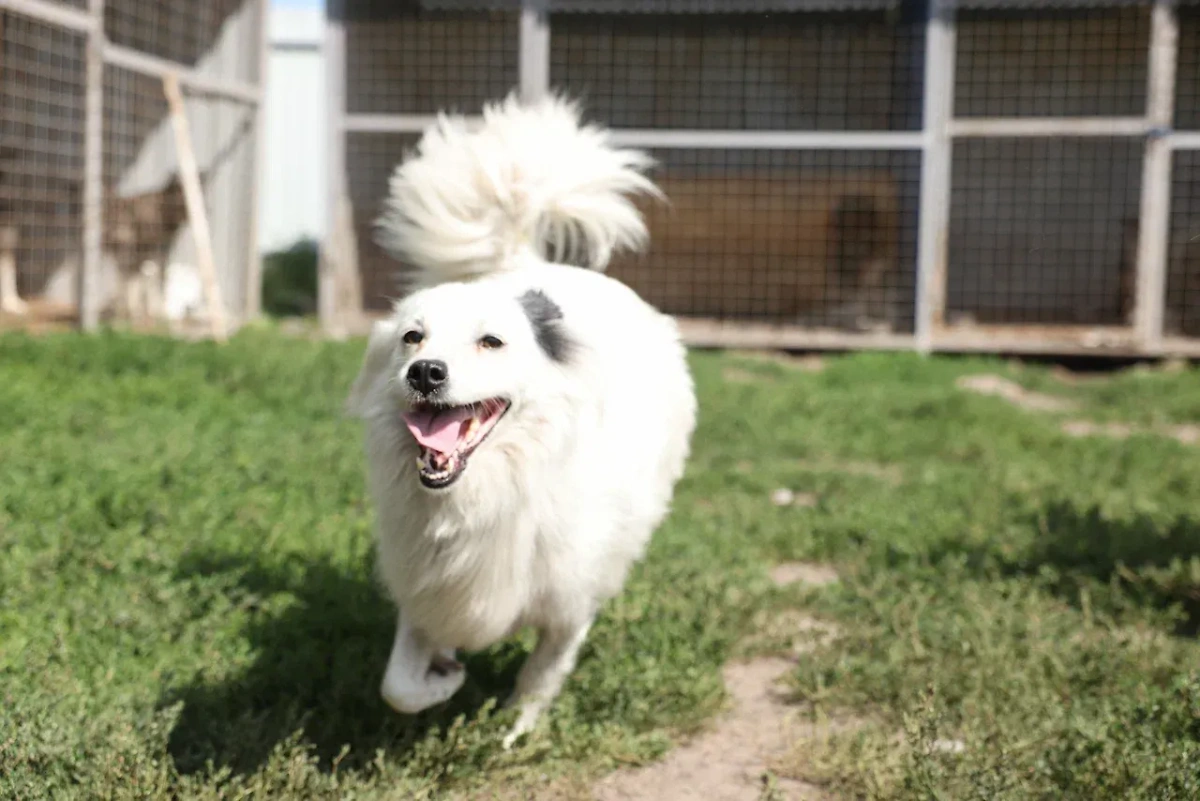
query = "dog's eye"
{"x": 413, "y": 337}
{"x": 490, "y": 342}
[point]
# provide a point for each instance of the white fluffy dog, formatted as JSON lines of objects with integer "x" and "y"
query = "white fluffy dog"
{"x": 526, "y": 420}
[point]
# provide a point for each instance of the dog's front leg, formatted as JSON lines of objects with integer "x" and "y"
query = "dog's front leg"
{"x": 543, "y": 674}
{"x": 419, "y": 674}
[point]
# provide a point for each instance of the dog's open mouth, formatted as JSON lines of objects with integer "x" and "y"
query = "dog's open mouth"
{"x": 447, "y": 435}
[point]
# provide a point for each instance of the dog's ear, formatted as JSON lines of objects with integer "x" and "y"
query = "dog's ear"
{"x": 545, "y": 317}
{"x": 375, "y": 361}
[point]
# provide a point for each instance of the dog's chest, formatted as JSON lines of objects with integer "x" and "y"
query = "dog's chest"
{"x": 465, "y": 587}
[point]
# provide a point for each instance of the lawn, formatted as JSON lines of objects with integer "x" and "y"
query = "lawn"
{"x": 186, "y": 608}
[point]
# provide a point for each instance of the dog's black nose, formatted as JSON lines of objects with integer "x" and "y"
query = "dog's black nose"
{"x": 427, "y": 375}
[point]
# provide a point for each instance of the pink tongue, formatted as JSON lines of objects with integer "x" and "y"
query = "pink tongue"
{"x": 437, "y": 430}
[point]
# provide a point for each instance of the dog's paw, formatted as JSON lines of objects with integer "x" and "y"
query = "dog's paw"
{"x": 518, "y": 731}
{"x": 442, "y": 679}
{"x": 526, "y": 721}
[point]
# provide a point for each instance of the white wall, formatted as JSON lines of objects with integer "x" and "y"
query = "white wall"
{"x": 292, "y": 196}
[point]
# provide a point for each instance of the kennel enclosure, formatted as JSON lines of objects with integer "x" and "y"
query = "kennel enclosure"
{"x": 939, "y": 175}
{"x": 90, "y": 190}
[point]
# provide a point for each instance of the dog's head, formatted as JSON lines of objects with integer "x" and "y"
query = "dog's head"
{"x": 458, "y": 364}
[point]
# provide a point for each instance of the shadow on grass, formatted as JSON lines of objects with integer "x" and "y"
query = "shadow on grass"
{"x": 1156, "y": 564}
{"x": 316, "y": 671}
{"x": 1142, "y": 560}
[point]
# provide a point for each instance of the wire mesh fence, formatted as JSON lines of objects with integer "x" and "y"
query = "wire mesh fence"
{"x": 1182, "y": 313}
{"x": 814, "y": 238}
{"x": 1187, "y": 81}
{"x": 1038, "y": 194}
{"x": 74, "y": 138}
{"x": 179, "y": 30}
{"x": 371, "y": 158}
{"x": 41, "y": 148}
{"x": 1038, "y": 231}
{"x": 821, "y": 71}
{"x": 408, "y": 60}
{"x": 1052, "y": 62}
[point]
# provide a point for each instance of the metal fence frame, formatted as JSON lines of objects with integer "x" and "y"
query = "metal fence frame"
{"x": 99, "y": 53}
{"x": 935, "y": 141}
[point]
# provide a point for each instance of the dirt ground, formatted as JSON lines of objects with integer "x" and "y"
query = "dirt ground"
{"x": 729, "y": 762}
{"x": 988, "y": 384}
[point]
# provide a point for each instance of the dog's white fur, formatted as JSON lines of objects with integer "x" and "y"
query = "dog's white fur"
{"x": 559, "y": 501}
{"x": 470, "y": 201}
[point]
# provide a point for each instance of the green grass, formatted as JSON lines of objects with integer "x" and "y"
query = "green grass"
{"x": 186, "y": 607}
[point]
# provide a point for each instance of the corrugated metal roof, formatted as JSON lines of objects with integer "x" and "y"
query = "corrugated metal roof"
{"x": 758, "y": 6}
{"x": 1049, "y": 4}
{"x": 668, "y": 6}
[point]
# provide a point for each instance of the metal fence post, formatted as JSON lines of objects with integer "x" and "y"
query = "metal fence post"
{"x": 335, "y": 92}
{"x": 91, "y": 264}
{"x": 534, "y": 43}
{"x": 1154, "y": 215}
{"x": 258, "y": 132}
{"x": 932, "y": 234}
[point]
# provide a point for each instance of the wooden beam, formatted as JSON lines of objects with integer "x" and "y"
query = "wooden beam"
{"x": 193, "y": 195}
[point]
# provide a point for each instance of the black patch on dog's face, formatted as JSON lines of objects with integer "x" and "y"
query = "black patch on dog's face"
{"x": 545, "y": 317}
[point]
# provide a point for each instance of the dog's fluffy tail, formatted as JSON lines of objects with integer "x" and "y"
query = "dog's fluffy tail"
{"x": 531, "y": 177}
